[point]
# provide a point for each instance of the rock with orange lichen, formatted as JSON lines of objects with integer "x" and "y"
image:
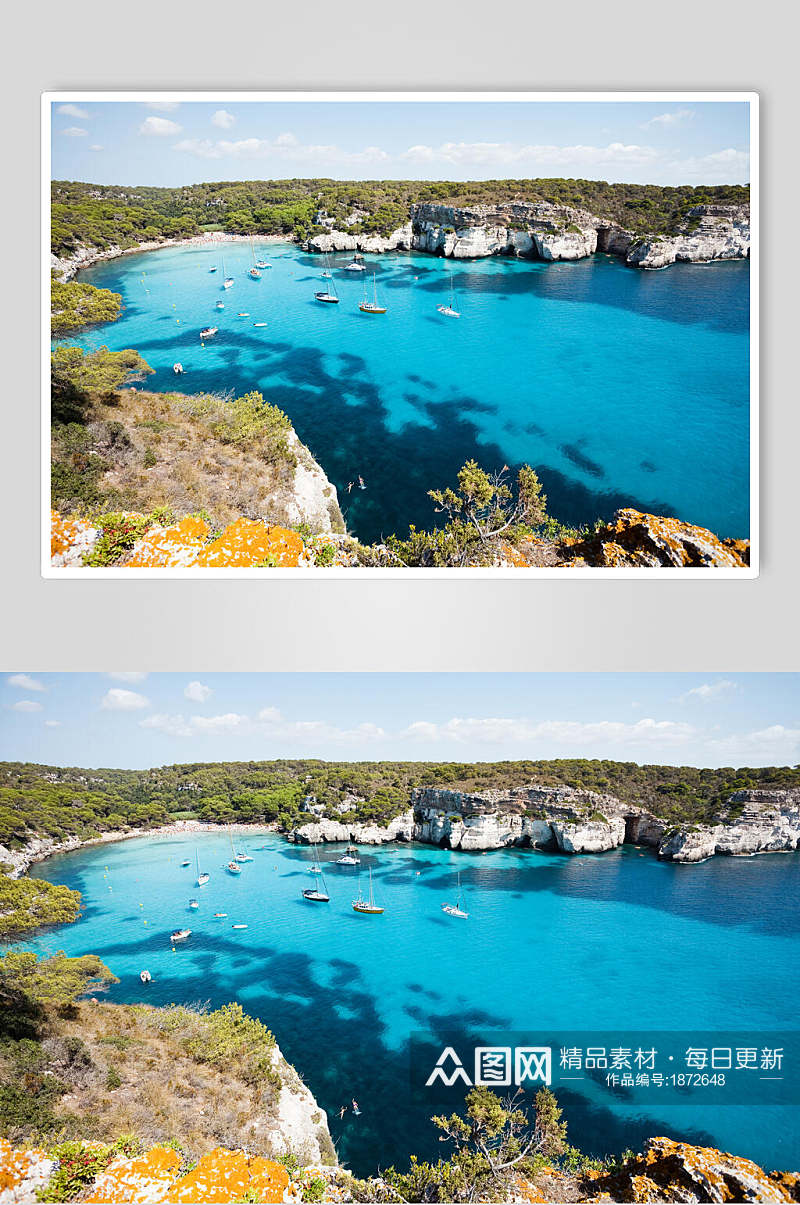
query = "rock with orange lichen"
{"x": 223, "y": 1176}
{"x": 678, "y": 1171}
{"x": 169, "y": 547}
{"x": 249, "y": 542}
{"x": 22, "y": 1173}
{"x": 70, "y": 540}
{"x": 637, "y": 540}
{"x": 143, "y": 1179}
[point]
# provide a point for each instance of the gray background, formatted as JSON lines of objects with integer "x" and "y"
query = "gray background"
{"x": 397, "y": 625}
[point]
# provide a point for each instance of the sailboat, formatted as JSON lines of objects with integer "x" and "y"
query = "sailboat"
{"x": 241, "y": 856}
{"x": 372, "y": 307}
{"x": 456, "y": 909}
{"x": 228, "y": 282}
{"x": 318, "y": 894}
{"x": 202, "y": 877}
{"x": 328, "y": 294}
{"x": 254, "y": 272}
{"x": 315, "y": 867}
{"x": 369, "y": 907}
{"x": 194, "y": 903}
{"x": 356, "y": 265}
{"x": 233, "y": 865}
{"x": 450, "y": 310}
{"x": 327, "y": 274}
{"x": 262, "y": 263}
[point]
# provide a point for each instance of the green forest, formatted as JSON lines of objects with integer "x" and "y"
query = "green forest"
{"x": 63, "y": 802}
{"x": 102, "y": 216}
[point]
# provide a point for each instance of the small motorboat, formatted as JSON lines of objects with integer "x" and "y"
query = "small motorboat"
{"x": 194, "y": 903}
{"x": 220, "y": 305}
{"x": 186, "y": 863}
{"x": 238, "y": 926}
{"x": 356, "y": 265}
{"x": 207, "y": 332}
{"x": 262, "y": 264}
{"x": 228, "y": 282}
{"x": 145, "y": 977}
{"x": 234, "y": 868}
{"x": 219, "y": 915}
{"x": 244, "y": 858}
{"x": 254, "y": 274}
{"x": 213, "y": 269}
{"x": 180, "y": 935}
{"x": 177, "y": 368}
{"x": 259, "y": 324}
{"x": 243, "y": 314}
{"x": 348, "y": 860}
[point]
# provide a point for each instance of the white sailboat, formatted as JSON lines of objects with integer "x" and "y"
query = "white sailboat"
{"x": 367, "y": 907}
{"x": 202, "y": 877}
{"x": 449, "y": 310}
{"x": 456, "y": 909}
{"x": 228, "y": 282}
{"x": 318, "y": 894}
{"x": 328, "y": 293}
{"x": 233, "y": 866}
{"x": 356, "y": 265}
{"x": 315, "y": 867}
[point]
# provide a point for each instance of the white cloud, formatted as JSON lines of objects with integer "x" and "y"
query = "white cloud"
{"x": 160, "y": 127}
{"x": 163, "y": 106}
{"x": 52, "y": 723}
{"x": 775, "y": 745}
{"x": 487, "y": 154}
{"x": 95, "y": 147}
{"x": 75, "y": 132}
{"x": 709, "y": 691}
{"x": 670, "y": 119}
{"x": 25, "y": 682}
{"x": 117, "y": 699}
{"x": 728, "y": 166}
{"x": 72, "y": 111}
{"x": 222, "y": 119}
{"x": 26, "y": 705}
{"x": 220, "y": 723}
{"x": 283, "y": 147}
{"x": 127, "y": 675}
{"x": 171, "y": 725}
{"x": 197, "y": 692}
{"x": 571, "y": 732}
{"x": 270, "y": 715}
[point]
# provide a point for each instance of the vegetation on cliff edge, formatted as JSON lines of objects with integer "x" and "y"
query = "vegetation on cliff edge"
{"x": 28, "y": 905}
{"x": 65, "y": 802}
{"x": 102, "y": 216}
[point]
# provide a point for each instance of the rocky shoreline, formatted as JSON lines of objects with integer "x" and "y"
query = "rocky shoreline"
{"x": 559, "y": 820}
{"x": 525, "y": 230}
{"x": 542, "y": 231}
{"x": 84, "y": 257}
{"x": 567, "y": 821}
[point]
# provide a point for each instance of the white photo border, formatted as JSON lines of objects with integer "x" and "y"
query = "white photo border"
{"x": 751, "y": 98}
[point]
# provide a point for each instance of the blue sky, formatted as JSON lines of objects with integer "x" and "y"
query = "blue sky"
{"x": 185, "y": 142}
{"x": 139, "y": 720}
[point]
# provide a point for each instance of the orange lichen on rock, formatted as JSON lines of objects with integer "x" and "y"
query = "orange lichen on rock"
{"x": 173, "y": 547}
{"x": 143, "y": 1179}
{"x": 223, "y": 1176}
{"x": 21, "y": 1172}
{"x": 248, "y": 542}
{"x": 678, "y": 1171}
{"x": 70, "y": 539}
{"x": 635, "y": 539}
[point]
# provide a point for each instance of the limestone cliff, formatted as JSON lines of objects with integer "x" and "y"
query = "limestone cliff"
{"x": 541, "y": 230}
{"x": 565, "y": 820}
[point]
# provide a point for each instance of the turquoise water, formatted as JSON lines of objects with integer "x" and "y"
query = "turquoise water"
{"x": 552, "y": 944}
{"x": 620, "y": 387}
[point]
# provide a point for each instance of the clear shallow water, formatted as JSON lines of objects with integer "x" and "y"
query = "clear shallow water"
{"x": 620, "y": 387}
{"x": 615, "y": 941}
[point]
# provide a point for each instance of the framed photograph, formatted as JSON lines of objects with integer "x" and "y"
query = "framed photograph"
{"x": 400, "y": 334}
